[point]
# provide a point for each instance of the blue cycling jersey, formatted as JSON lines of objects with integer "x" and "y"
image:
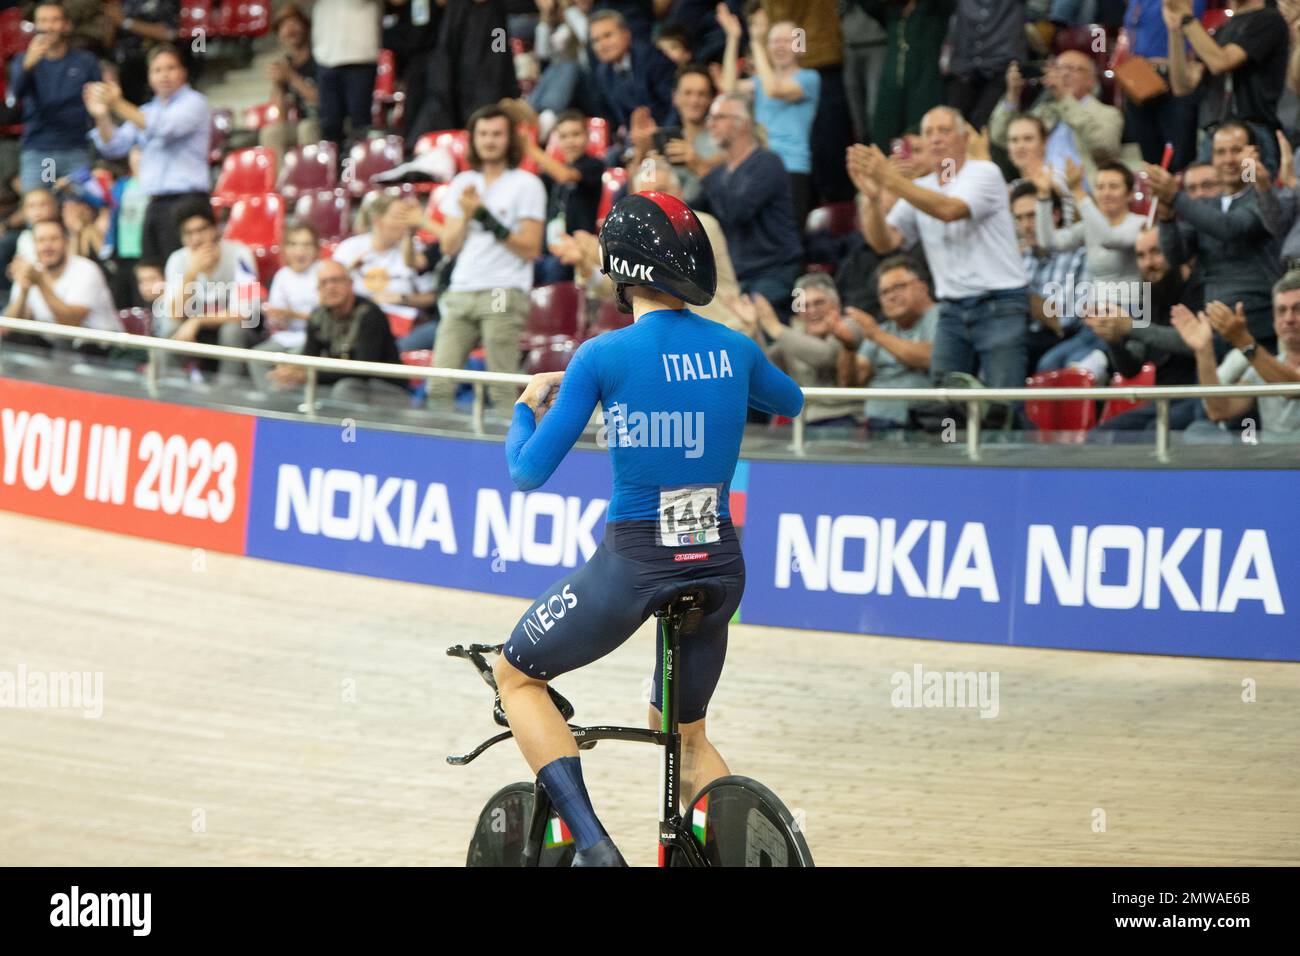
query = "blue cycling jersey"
{"x": 674, "y": 388}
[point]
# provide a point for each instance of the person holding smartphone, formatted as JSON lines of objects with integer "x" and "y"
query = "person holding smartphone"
{"x": 687, "y": 146}
{"x": 573, "y": 183}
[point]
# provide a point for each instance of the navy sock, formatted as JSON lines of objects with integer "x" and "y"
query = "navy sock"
{"x": 562, "y": 779}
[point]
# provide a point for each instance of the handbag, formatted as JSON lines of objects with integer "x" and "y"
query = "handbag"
{"x": 1139, "y": 79}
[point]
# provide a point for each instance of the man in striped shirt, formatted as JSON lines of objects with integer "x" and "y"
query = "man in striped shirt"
{"x": 1048, "y": 273}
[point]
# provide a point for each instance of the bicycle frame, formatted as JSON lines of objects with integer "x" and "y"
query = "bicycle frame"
{"x": 681, "y": 616}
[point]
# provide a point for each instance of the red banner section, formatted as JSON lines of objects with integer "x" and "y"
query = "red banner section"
{"x": 151, "y": 469}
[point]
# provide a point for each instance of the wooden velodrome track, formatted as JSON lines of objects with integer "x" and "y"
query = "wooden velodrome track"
{"x": 224, "y": 711}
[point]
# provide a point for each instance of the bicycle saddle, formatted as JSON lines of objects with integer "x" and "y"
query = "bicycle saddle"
{"x": 690, "y": 600}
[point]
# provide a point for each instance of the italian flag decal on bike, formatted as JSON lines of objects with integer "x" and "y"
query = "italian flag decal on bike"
{"x": 557, "y": 833}
{"x": 699, "y": 816}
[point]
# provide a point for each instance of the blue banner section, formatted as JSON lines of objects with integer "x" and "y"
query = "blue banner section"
{"x": 1202, "y": 563}
{"x": 417, "y": 508}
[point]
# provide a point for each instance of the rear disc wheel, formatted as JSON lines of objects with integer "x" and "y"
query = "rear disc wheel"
{"x": 736, "y": 821}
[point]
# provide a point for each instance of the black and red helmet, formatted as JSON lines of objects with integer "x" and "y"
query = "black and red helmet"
{"x": 655, "y": 239}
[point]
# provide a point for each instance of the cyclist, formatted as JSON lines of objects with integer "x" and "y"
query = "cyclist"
{"x": 674, "y": 389}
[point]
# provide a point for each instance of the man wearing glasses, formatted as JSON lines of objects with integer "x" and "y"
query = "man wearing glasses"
{"x": 1080, "y": 126}
{"x": 895, "y": 352}
{"x": 749, "y": 193}
{"x": 346, "y": 326}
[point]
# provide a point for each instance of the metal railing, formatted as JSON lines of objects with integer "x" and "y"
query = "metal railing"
{"x": 973, "y": 399}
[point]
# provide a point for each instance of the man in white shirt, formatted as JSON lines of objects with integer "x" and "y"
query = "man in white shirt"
{"x": 58, "y": 288}
{"x": 212, "y": 288}
{"x": 961, "y": 216}
{"x": 493, "y": 216}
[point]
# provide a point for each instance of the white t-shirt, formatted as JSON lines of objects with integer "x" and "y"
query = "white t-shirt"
{"x": 295, "y": 291}
{"x": 1276, "y": 412}
{"x": 970, "y": 256}
{"x": 345, "y": 31}
{"x": 484, "y": 262}
{"x": 374, "y": 272}
{"x": 81, "y": 284}
{"x": 229, "y": 288}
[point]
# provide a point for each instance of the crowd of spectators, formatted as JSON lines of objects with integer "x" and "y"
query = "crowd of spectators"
{"x": 899, "y": 192}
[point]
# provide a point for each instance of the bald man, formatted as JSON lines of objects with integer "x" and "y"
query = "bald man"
{"x": 346, "y": 326}
{"x": 1079, "y": 126}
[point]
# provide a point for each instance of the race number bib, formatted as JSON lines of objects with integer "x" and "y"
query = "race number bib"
{"x": 689, "y": 515}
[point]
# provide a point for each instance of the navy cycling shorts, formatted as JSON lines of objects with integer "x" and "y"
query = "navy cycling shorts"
{"x": 601, "y": 604}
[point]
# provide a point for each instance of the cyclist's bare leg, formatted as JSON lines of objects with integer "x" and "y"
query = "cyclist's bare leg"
{"x": 539, "y": 729}
{"x": 548, "y": 745}
{"x": 701, "y": 762}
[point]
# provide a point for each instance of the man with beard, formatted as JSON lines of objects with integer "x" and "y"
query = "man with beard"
{"x": 59, "y": 288}
{"x": 1158, "y": 342}
{"x": 493, "y": 225}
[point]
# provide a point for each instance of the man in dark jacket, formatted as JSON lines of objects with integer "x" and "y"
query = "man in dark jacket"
{"x": 347, "y": 326}
{"x": 1131, "y": 345}
{"x": 1235, "y": 237}
{"x": 630, "y": 73}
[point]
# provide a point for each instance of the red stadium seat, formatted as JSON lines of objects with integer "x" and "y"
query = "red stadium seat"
{"x": 1069, "y": 420}
{"x": 613, "y": 184}
{"x": 258, "y": 222}
{"x": 245, "y": 172}
{"x": 242, "y": 19}
{"x": 308, "y": 169}
{"x": 136, "y": 321}
{"x": 386, "y": 95}
{"x": 837, "y": 218}
{"x": 597, "y": 137}
{"x": 1118, "y": 406}
{"x": 223, "y": 121}
{"x": 399, "y": 325}
{"x": 370, "y": 158}
{"x": 421, "y": 358}
{"x": 261, "y": 114}
{"x": 608, "y": 319}
{"x": 557, "y": 309}
{"x": 455, "y": 141}
{"x": 551, "y": 356}
{"x": 328, "y": 210}
{"x": 196, "y": 18}
{"x": 15, "y": 34}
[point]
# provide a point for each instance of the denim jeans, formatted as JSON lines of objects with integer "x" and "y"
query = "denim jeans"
{"x": 345, "y": 93}
{"x": 1061, "y": 355}
{"x": 31, "y": 166}
{"x": 556, "y": 86}
{"x": 986, "y": 332}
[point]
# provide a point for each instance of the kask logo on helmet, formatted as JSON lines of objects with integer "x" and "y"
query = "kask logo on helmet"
{"x": 637, "y": 270}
